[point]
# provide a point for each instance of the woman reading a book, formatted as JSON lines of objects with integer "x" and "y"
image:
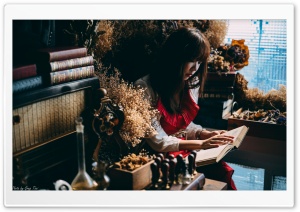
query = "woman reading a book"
{"x": 173, "y": 88}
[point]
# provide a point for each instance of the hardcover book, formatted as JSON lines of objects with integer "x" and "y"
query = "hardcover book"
{"x": 59, "y": 77}
{"x": 218, "y": 89}
{"x": 214, "y": 155}
{"x": 221, "y": 96}
{"x": 27, "y": 84}
{"x": 60, "y": 53}
{"x": 24, "y": 71}
{"x": 217, "y": 92}
{"x": 71, "y": 63}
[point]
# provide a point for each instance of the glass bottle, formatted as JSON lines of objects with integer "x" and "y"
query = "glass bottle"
{"x": 101, "y": 178}
{"x": 184, "y": 178}
{"x": 82, "y": 181}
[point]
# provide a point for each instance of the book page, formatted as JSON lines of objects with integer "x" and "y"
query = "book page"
{"x": 215, "y": 154}
{"x": 207, "y": 154}
{"x": 239, "y": 134}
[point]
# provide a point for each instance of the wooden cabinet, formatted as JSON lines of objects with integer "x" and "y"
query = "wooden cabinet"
{"x": 44, "y": 138}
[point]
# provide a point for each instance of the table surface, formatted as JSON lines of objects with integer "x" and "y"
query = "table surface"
{"x": 214, "y": 185}
{"x": 199, "y": 182}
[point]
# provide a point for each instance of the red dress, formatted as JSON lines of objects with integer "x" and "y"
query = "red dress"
{"x": 172, "y": 123}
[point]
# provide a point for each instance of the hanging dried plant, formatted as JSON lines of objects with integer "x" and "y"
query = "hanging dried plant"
{"x": 103, "y": 44}
{"x": 84, "y": 33}
{"x": 185, "y": 23}
{"x": 202, "y": 25}
{"x": 130, "y": 44}
{"x": 216, "y": 32}
{"x": 136, "y": 44}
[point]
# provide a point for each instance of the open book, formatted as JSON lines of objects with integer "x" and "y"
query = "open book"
{"x": 214, "y": 155}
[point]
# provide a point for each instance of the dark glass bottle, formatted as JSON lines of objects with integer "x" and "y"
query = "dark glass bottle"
{"x": 100, "y": 175}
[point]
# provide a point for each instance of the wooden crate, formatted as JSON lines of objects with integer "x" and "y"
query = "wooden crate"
{"x": 130, "y": 180}
{"x": 262, "y": 138}
{"x": 259, "y": 129}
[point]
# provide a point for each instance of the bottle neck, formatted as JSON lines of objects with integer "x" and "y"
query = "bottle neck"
{"x": 80, "y": 152}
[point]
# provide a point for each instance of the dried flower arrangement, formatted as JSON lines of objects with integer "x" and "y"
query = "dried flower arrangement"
{"x": 130, "y": 44}
{"x": 216, "y": 32}
{"x": 138, "y": 112}
{"x": 268, "y": 116}
{"x": 104, "y": 41}
{"x": 229, "y": 57}
{"x": 255, "y": 99}
{"x": 95, "y": 35}
{"x": 132, "y": 161}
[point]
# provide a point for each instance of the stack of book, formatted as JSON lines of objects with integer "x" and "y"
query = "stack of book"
{"x": 26, "y": 78}
{"x": 217, "y": 101}
{"x": 219, "y": 86}
{"x": 64, "y": 64}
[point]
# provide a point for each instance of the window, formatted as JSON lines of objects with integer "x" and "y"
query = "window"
{"x": 248, "y": 178}
{"x": 266, "y": 40}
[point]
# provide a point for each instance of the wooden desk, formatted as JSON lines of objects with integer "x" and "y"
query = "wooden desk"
{"x": 213, "y": 185}
{"x": 196, "y": 184}
{"x": 199, "y": 183}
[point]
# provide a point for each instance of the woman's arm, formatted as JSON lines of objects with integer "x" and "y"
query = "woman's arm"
{"x": 162, "y": 142}
{"x": 195, "y": 131}
{"x": 209, "y": 143}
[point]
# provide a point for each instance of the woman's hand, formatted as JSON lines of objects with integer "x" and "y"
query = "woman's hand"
{"x": 212, "y": 142}
{"x": 215, "y": 141}
{"x": 205, "y": 134}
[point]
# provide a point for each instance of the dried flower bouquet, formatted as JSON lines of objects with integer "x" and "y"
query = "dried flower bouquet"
{"x": 138, "y": 112}
{"x": 229, "y": 57}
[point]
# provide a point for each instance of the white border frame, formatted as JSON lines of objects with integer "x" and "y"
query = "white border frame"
{"x": 146, "y": 198}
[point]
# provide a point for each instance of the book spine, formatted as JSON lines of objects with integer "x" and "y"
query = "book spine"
{"x": 23, "y": 72}
{"x": 71, "y": 63}
{"x": 27, "y": 84}
{"x": 221, "y": 96}
{"x": 59, "y": 77}
{"x": 67, "y": 54}
{"x": 218, "y": 89}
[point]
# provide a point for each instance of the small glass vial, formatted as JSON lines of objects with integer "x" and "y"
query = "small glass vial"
{"x": 82, "y": 181}
{"x": 184, "y": 178}
{"x": 187, "y": 178}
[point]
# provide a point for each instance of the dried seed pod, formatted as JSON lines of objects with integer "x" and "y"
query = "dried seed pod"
{"x": 135, "y": 160}
{"x": 117, "y": 165}
{"x": 266, "y": 119}
{"x": 264, "y": 114}
{"x": 257, "y": 115}
{"x": 137, "y": 166}
{"x": 144, "y": 160}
